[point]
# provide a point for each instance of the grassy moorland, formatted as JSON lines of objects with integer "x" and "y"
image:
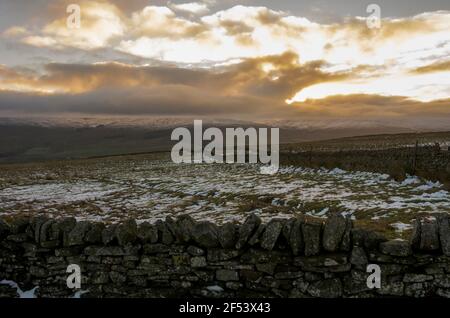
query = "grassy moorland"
{"x": 150, "y": 187}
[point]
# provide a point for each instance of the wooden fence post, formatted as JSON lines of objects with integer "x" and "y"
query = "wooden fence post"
{"x": 415, "y": 157}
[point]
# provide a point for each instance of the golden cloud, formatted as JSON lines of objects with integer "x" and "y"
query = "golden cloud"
{"x": 273, "y": 77}
{"x": 254, "y": 88}
{"x": 433, "y": 68}
{"x": 100, "y": 23}
{"x": 242, "y": 58}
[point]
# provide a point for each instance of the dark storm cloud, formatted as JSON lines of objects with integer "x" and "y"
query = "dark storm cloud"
{"x": 244, "y": 90}
{"x": 284, "y": 77}
{"x": 176, "y": 100}
{"x": 124, "y": 89}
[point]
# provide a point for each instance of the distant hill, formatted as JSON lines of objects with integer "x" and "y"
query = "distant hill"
{"x": 26, "y": 140}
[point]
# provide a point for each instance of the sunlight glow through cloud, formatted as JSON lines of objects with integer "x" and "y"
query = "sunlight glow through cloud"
{"x": 239, "y": 44}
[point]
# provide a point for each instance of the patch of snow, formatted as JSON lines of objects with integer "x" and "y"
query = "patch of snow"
{"x": 400, "y": 226}
{"x": 78, "y": 293}
{"x": 320, "y": 214}
{"x": 428, "y": 186}
{"x": 215, "y": 289}
{"x": 337, "y": 171}
{"x": 410, "y": 180}
{"x": 151, "y": 190}
{"x": 22, "y": 294}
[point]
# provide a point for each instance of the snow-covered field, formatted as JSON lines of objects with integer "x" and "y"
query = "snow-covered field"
{"x": 149, "y": 188}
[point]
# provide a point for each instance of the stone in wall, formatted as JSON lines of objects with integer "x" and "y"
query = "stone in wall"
{"x": 4, "y": 229}
{"x": 147, "y": 233}
{"x": 295, "y": 240}
{"x": 205, "y": 234}
{"x": 109, "y": 234}
{"x": 444, "y": 233}
{"x": 368, "y": 239}
{"x": 227, "y": 235}
{"x": 249, "y": 226}
{"x": 312, "y": 233}
{"x": 429, "y": 237}
{"x": 271, "y": 234}
{"x": 415, "y": 235}
{"x": 164, "y": 232}
{"x": 333, "y": 232}
{"x": 185, "y": 225}
{"x": 396, "y": 248}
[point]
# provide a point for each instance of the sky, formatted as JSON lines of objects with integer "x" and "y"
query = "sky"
{"x": 312, "y": 60}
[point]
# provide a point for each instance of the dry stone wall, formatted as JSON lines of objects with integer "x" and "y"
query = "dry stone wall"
{"x": 186, "y": 258}
{"x": 428, "y": 162}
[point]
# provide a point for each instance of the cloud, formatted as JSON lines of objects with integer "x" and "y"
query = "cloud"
{"x": 244, "y": 59}
{"x": 198, "y": 8}
{"x": 373, "y": 106}
{"x": 14, "y": 31}
{"x": 162, "y": 22}
{"x": 179, "y": 100}
{"x": 433, "y": 68}
{"x": 163, "y": 32}
{"x": 257, "y": 85}
{"x": 420, "y": 86}
{"x": 395, "y": 111}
